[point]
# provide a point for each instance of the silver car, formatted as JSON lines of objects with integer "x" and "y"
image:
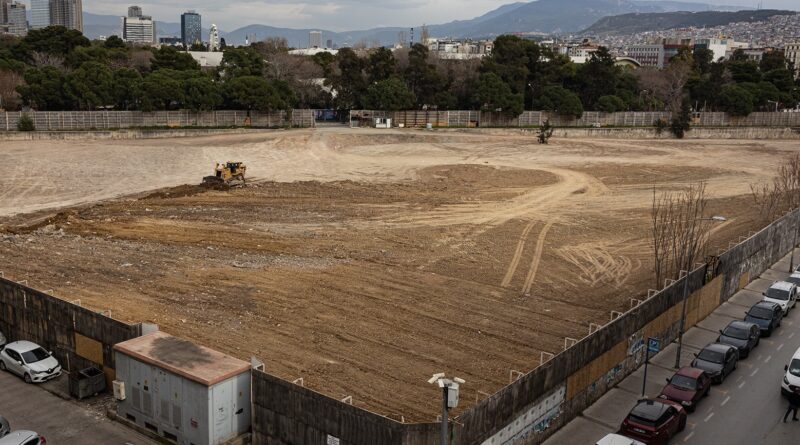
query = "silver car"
{"x": 23, "y": 437}
{"x": 29, "y": 361}
{"x": 4, "y": 427}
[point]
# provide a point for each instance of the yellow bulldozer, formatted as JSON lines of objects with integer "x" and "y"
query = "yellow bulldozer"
{"x": 227, "y": 173}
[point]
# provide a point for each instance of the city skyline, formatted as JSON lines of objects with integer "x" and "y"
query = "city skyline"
{"x": 340, "y": 15}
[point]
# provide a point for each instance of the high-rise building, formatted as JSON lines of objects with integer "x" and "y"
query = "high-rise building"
{"x": 647, "y": 55}
{"x": 191, "y": 26}
{"x": 792, "y": 53}
{"x": 13, "y": 19}
{"x": 138, "y": 28}
{"x": 315, "y": 39}
{"x": 40, "y": 14}
{"x": 67, "y": 13}
{"x": 213, "y": 39}
{"x": 329, "y": 43}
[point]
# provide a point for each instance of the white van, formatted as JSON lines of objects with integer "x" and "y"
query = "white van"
{"x": 782, "y": 293}
{"x": 791, "y": 380}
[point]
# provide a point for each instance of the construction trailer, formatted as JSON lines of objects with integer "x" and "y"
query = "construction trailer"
{"x": 186, "y": 393}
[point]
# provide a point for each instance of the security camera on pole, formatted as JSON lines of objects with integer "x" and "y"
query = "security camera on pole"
{"x": 449, "y": 398}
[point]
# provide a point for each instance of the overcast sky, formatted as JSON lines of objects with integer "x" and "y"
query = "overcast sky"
{"x": 335, "y": 15}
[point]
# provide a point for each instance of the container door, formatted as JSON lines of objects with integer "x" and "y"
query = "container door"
{"x": 223, "y": 428}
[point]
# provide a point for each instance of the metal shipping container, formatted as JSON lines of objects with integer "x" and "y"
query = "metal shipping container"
{"x": 189, "y": 394}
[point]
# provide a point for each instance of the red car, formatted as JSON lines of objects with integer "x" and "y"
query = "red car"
{"x": 654, "y": 421}
{"x": 687, "y": 387}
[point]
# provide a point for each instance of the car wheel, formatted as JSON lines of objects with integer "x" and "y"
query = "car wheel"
{"x": 682, "y": 425}
{"x": 2, "y": 365}
{"x": 27, "y": 378}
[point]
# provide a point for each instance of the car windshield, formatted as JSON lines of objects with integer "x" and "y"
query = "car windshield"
{"x": 794, "y": 367}
{"x": 683, "y": 382}
{"x": 761, "y": 312}
{"x": 642, "y": 420}
{"x": 711, "y": 356}
{"x": 732, "y": 332}
{"x": 778, "y": 294}
{"x": 35, "y": 355}
{"x": 793, "y": 279}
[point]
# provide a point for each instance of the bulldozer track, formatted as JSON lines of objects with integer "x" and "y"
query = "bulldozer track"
{"x": 537, "y": 258}
{"x": 512, "y": 267}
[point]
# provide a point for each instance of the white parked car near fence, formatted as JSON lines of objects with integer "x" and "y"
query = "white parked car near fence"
{"x": 29, "y": 361}
{"x": 782, "y": 293}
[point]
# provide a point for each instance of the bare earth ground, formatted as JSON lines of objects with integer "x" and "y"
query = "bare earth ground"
{"x": 362, "y": 261}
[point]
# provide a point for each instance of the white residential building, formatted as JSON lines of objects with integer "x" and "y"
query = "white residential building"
{"x": 40, "y": 14}
{"x": 13, "y": 19}
{"x": 792, "y": 52}
{"x": 315, "y": 39}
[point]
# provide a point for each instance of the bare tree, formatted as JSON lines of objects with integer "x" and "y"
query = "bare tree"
{"x": 679, "y": 230}
{"x": 9, "y": 81}
{"x": 47, "y": 59}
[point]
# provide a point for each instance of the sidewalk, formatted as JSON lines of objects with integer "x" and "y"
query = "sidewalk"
{"x": 605, "y": 415}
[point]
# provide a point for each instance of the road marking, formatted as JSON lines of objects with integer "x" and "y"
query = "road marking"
{"x": 779, "y": 347}
{"x": 742, "y": 384}
{"x": 686, "y": 439}
{"x": 791, "y": 335}
{"x": 769, "y": 358}
{"x": 758, "y": 357}
{"x": 725, "y": 401}
{"x": 754, "y": 372}
{"x": 709, "y": 417}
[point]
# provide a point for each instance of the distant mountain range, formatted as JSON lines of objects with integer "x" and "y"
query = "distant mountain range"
{"x": 636, "y": 23}
{"x": 542, "y": 16}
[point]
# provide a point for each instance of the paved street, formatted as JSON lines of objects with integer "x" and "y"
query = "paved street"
{"x": 29, "y": 407}
{"x": 746, "y": 409}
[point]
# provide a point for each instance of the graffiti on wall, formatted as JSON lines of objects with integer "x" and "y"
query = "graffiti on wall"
{"x": 537, "y": 418}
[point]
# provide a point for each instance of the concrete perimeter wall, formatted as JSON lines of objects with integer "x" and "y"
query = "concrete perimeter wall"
{"x": 537, "y": 404}
{"x": 78, "y": 337}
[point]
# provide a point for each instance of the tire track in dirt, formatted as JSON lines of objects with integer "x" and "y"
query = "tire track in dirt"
{"x": 512, "y": 268}
{"x": 537, "y": 258}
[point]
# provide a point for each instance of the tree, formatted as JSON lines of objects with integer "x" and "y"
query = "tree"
{"x": 682, "y": 121}
{"x": 170, "y": 58}
{"x": 238, "y": 62}
{"x": 55, "y": 40}
{"x": 422, "y": 78}
{"x": 492, "y": 94}
{"x": 25, "y": 123}
{"x": 254, "y": 93}
{"x": 390, "y": 94}
{"x": 597, "y": 77}
{"x": 201, "y": 94}
{"x": 348, "y": 79}
{"x": 161, "y": 90}
{"x": 127, "y": 88}
{"x": 271, "y": 46}
{"x": 509, "y": 61}
{"x": 703, "y": 58}
{"x": 772, "y": 60}
{"x": 610, "y": 104}
{"x": 545, "y": 132}
{"x": 381, "y": 65}
{"x": 324, "y": 60}
{"x": 9, "y": 97}
{"x": 114, "y": 42}
{"x": 90, "y": 86}
{"x": 562, "y": 101}
{"x": 736, "y": 101}
{"x": 44, "y": 89}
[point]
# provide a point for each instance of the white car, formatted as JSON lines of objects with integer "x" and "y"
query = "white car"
{"x": 29, "y": 361}
{"x": 23, "y": 437}
{"x": 783, "y": 293}
{"x": 617, "y": 439}
{"x": 791, "y": 380}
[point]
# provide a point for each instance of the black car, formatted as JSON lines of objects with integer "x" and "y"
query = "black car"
{"x": 742, "y": 335}
{"x": 766, "y": 315}
{"x": 717, "y": 360}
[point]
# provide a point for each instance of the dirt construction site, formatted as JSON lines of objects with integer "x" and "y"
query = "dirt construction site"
{"x": 363, "y": 261}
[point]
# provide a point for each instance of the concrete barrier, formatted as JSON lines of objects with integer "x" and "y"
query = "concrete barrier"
{"x": 120, "y": 134}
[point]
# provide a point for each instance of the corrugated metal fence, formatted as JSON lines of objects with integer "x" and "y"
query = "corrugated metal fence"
{"x": 106, "y": 120}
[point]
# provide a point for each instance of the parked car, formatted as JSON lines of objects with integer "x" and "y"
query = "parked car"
{"x": 782, "y": 293}
{"x": 791, "y": 380}
{"x": 717, "y": 360}
{"x": 618, "y": 439}
{"x": 5, "y": 428}
{"x": 654, "y": 421}
{"x": 742, "y": 335}
{"x": 794, "y": 278}
{"x": 23, "y": 437}
{"x": 29, "y": 361}
{"x": 687, "y": 387}
{"x": 766, "y": 315}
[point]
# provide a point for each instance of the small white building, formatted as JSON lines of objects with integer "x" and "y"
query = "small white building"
{"x": 188, "y": 394}
{"x": 207, "y": 59}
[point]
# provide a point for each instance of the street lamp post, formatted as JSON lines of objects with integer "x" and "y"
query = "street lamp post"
{"x": 450, "y": 389}
{"x": 689, "y": 262}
